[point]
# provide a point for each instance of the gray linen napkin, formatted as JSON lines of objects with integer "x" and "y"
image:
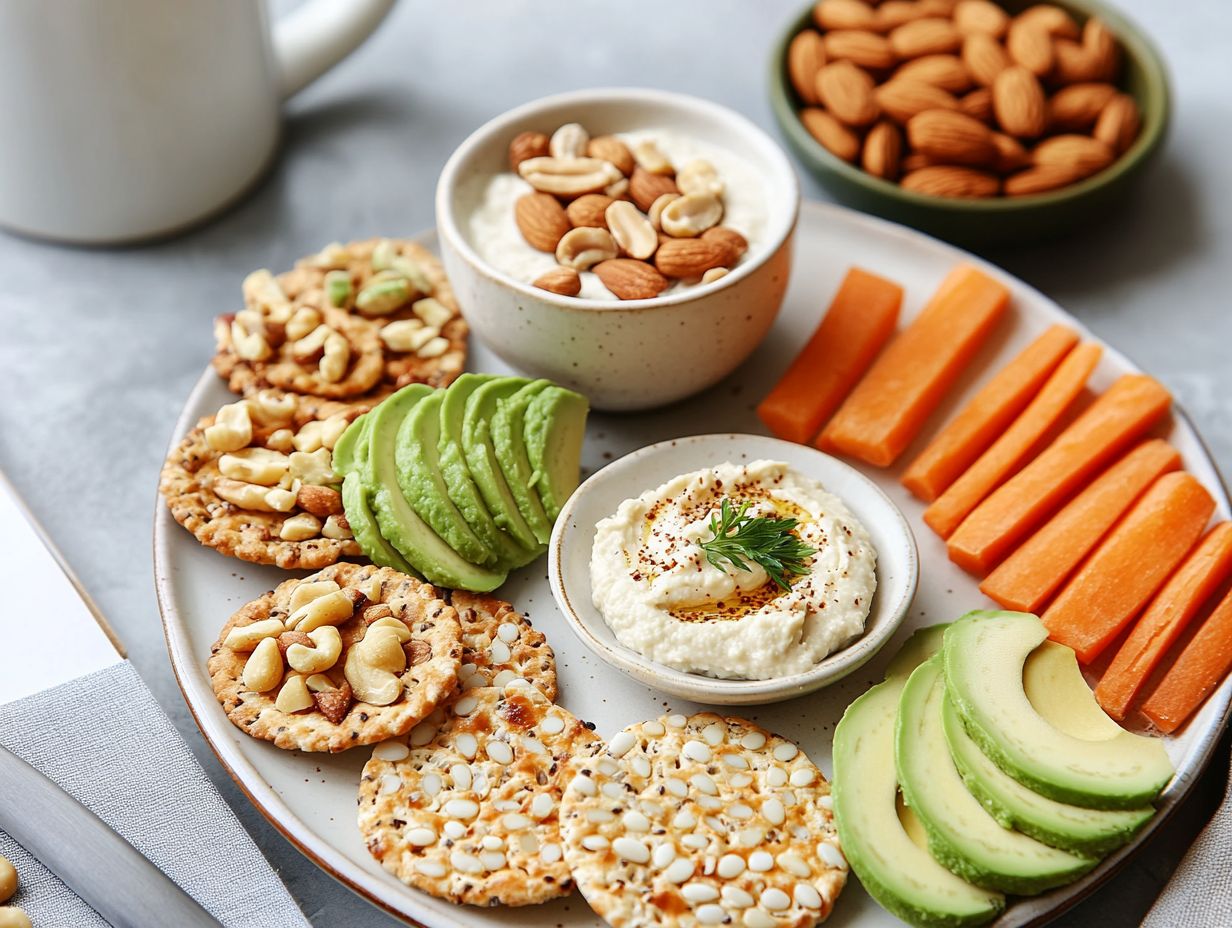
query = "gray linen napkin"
{"x": 105, "y": 740}
{"x": 1200, "y": 891}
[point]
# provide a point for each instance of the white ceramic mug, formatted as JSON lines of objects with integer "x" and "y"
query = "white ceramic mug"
{"x": 131, "y": 119}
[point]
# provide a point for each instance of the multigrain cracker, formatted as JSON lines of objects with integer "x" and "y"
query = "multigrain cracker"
{"x": 467, "y": 807}
{"x": 354, "y": 322}
{"x": 350, "y": 655}
{"x": 499, "y": 645}
{"x": 702, "y": 821}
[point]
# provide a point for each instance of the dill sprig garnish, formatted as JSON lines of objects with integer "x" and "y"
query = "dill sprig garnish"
{"x": 768, "y": 542}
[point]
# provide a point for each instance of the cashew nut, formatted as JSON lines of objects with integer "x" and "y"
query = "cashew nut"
{"x": 232, "y": 428}
{"x": 294, "y": 695}
{"x": 398, "y": 627}
{"x": 372, "y": 667}
{"x": 247, "y": 637}
{"x": 330, "y": 609}
{"x": 305, "y": 593}
{"x": 263, "y": 671}
{"x": 254, "y": 465}
{"x": 327, "y": 650}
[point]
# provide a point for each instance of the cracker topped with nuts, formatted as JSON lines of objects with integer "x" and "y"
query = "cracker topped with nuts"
{"x": 499, "y": 646}
{"x": 467, "y": 807}
{"x": 347, "y": 656}
{"x": 353, "y": 322}
{"x": 256, "y": 481}
{"x": 620, "y": 208}
{"x": 702, "y": 820}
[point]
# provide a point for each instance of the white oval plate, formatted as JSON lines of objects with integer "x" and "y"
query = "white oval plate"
{"x": 311, "y": 798}
{"x": 647, "y": 468}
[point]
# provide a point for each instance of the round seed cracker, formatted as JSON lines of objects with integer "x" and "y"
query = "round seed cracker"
{"x": 375, "y": 370}
{"x": 189, "y": 479}
{"x": 702, "y": 820}
{"x": 434, "y": 655}
{"x": 467, "y": 807}
{"x": 500, "y": 646}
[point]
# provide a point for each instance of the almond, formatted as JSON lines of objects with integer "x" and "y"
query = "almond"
{"x": 1019, "y": 102}
{"x": 1029, "y": 46}
{"x": 984, "y": 58}
{"x": 334, "y": 704}
{"x": 883, "y": 150}
{"x": 613, "y": 150}
{"x": 1081, "y": 154}
{"x": 1101, "y": 44}
{"x": 735, "y": 243}
{"x": 893, "y": 13}
{"x": 861, "y": 47}
{"x": 913, "y": 162}
{"x": 690, "y": 258}
{"x": 1076, "y": 107}
{"x": 1011, "y": 155}
{"x": 1038, "y": 179}
{"x": 944, "y": 180}
{"x": 1053, "y": 20}
{"x": 1118, "y": 123}
{"x": 944, "y": 8}
{"x": 951, "y": 137}
{"x": 541, "y": 220}
{"x": 978, "y": 103}
{"x": 563, "y": 280}
{"x": 527, "y": 145}
{"x": 320, "y": 501}
{"x": 806, "y": 55}
{"x": 944, "y": 71}
{"x": 588, "y": 210}
{"x": 831, "y": 134}
{"x": 645, "y": 187}
{"x": 847, "y": 92}
{"x": 630, "y": 279}
{"x": 902, "y": 98}
{"x": 982, "y": 17}
{"x": 844, "y": 14}
{"x": 1073, "y": 64}
{"x": 929, "y": 36}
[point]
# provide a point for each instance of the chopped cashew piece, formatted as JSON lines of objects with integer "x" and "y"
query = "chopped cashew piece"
{"x": 247, "y": 637}
{"x": 232, "y": 428}
{"x": 294, "y": 695}
{"x": 327, "y": 650}
{"x": 263, "y": 671}
{"x": 254, "y": 465}
{"x": 300, "y": 527}
{"x": 337, "y": 528}
{"x": 313, "y": 467}
{"x": 432, "y": 311}
{"x": 305, "y": 593}
{"x": 330, "y": 609}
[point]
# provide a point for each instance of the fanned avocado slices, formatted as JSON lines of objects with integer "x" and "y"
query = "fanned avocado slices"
{"x": 350, "y": 452}
{"x": 555, "y": 427}
{"x": 509, "y": 439}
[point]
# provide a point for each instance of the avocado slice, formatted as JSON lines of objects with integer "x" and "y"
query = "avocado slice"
{"x": 962, "y": 836}
{"x": 461, "y": 483}
{"x": 350, "y": 451}
{"x": 419, "y": 478}
{"x": 880, "y": 842}
{"x": 555, "y": 427}
{"x": 984, "y": 657}
{"x": 481, "y": 458}
{"x": 509, "y": 440}
{"x": 1073, "y": 828}
{"x": 396, "y": 517}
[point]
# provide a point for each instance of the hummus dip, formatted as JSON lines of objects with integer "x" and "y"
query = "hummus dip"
{"x": 662, "y": 597}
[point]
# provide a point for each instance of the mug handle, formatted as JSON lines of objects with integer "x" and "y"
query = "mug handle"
{"x": 318, "y": 35}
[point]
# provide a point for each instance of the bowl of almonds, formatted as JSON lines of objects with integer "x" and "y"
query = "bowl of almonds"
{"x": 631, "y": 244}
{"x": 981, "y": 122}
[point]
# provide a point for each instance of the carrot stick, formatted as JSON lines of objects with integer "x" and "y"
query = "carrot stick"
{"x": 1007, "y": 453}
{"x": 1129, "y": 566}
{"x": 1200, "y": 668}
{"x": 1024, "y": 580}
{"x": 1203, "y": 572}
{"x": 987, "y": 415}
{"x": 860, "y": 320}
{"x": 1130, "y": 406}
{"x": 890, "y": 405}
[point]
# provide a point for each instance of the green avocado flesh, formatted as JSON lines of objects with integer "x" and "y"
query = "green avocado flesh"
{"x": 421, "y": 481}
{"x": 985, "y": 654}
{"x": 508, "y": 439}
{"x": 962, "y": 835}
{"x": 895, "y": 869}
{"x": 555, "y": 427}
{"x": 397, "y": 519}
{"x": 350, "y": 452}
{"x": 460, "y": 482}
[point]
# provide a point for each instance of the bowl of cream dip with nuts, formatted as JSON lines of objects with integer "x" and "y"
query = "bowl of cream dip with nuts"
{"x": 732, "y": 568}
{"x": 593, "y": 237}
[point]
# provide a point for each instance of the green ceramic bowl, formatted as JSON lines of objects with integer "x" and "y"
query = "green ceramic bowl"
{"x": 1000, "y": 220}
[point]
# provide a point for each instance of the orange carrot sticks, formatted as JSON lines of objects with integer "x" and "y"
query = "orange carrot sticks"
{"x": 1203, "y": 572}
{"x": 1201, "y": 667}
{"x": 987, "y": 415}
{"x": 1129, "y": 566}
{"x": 860, "y": 320}
{"x": 891, "y": 403}
{"x": 1024, "y": 581}
{"x": 1008, "y": 452}
{"x": 1128, "y": 409}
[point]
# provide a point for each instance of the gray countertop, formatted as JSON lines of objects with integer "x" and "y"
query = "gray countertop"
{"x": 98, "y": 349}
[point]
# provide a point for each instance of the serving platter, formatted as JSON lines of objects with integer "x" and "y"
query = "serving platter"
{"x": 311, "y": 798}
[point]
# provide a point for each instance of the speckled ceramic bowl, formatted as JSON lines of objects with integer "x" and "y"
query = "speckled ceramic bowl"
{"x": 631, "y": 354}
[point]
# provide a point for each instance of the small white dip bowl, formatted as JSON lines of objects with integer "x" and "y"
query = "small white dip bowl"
{"x": 647, "y": 468}
{"x": 630, "y": 354}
